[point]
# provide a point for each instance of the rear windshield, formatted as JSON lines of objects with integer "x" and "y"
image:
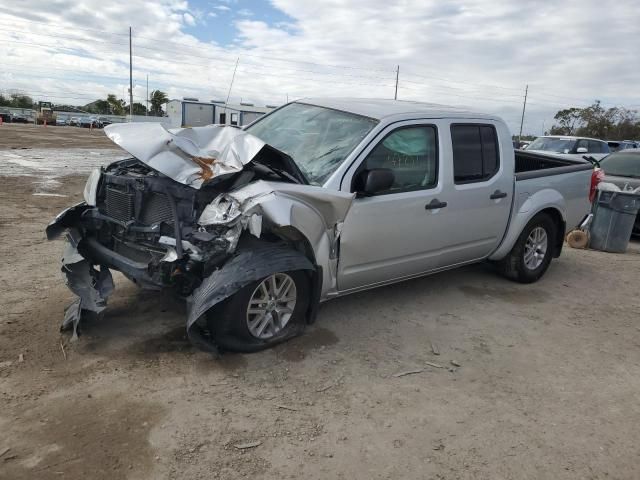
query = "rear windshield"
{"x": 548, "y": 144}
{"x": 622, "y": 164}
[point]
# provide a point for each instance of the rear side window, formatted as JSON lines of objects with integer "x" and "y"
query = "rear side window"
{"x": 594, "y": 147}
{"x": 475, "y": 152}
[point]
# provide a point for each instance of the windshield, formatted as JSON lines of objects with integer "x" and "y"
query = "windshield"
{"x": 549, "y": 144}
{"x": 318, "y": 139}
{"x": 621, "y": 164}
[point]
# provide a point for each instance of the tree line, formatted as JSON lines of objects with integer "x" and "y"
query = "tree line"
{"x": 112, "y": 105}
{"x": 615, "y": 123}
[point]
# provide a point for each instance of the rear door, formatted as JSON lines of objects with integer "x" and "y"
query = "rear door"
{"x": 479, "y": 200}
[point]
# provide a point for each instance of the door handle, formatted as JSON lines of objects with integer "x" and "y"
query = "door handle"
{"x": 497, "y": 194}
{"x": 435, "y": 204}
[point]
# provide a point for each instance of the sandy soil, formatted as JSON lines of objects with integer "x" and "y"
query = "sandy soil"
{"x": 18, "y": 136}
{"x": 547, "y": 387}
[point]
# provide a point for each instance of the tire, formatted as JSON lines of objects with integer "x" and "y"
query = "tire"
{"x": 519, "y": 264}
{"x": 230, "y": 323}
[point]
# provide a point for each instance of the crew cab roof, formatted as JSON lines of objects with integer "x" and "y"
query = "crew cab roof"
{"x": 381, "y": 108}
{"x": 571, "y": 137}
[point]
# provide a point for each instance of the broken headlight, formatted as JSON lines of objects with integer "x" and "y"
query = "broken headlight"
{"x": 91, "y": 187}
{"x": 222, "y": 211}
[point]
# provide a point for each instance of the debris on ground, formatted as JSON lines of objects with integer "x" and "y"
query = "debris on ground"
{"x": 408, "y": 372}
{"x": 435, "y": 365}
{"x": 244, "y": 446}
{"x": 434, "y": 349}
{"x": 455, "y": 363}
{"x": 21, "y": 358}
{"x": 287, "y": 407}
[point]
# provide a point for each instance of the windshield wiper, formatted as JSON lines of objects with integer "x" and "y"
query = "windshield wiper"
{"x": 328, "y": 152}
{"x": 279, "y": 172}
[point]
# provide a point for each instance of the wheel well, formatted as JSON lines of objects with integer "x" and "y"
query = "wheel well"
{"x": 298, "y": 241}
{"x": 556, "y": 216}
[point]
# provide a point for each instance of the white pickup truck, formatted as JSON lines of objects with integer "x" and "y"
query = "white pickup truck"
{"x": 319, "y": 198}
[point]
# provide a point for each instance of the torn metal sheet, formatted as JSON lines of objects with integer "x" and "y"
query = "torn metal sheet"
{"x": 190, "y": 156}
{"x": 317, "y": 213}
{"x": 331, "y": 205}
{"x": 246, "y": 267}
{"x": 93, "y": 287}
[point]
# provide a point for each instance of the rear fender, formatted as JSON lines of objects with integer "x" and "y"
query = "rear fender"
{"x": 529, "y": 207}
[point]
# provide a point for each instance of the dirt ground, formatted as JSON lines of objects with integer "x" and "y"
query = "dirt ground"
{"x": 534, "y": 381}
{"x": 18, "y": 136}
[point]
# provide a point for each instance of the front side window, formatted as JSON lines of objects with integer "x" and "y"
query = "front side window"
{"x": 318, "y": 139}
{"x": 475, "y": 153}
{"x": 411, "y": 153}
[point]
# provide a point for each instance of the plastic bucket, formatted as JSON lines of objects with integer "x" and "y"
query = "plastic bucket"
{"x": 614, "y": 214}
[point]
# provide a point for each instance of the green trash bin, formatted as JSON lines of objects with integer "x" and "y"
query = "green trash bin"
{"x": 614, "y": 214}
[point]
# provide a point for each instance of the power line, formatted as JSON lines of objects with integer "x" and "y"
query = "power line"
{"x": 280, "y": 59}
{"x": 222, "y": 60}
{"x": 206, "y": 57}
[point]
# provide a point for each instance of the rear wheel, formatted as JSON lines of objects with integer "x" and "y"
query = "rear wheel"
{"x": 262, "y": 314}
{"x": 531, "y": 255}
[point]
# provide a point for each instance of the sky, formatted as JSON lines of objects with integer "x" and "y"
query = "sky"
{"x": 479, "y": 54}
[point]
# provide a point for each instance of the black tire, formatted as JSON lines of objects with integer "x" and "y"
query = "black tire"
{"x": 228, "y": 325}
{"x": 513, "y": 265}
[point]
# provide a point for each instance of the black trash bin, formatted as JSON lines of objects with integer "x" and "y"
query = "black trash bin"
{"x": 614, "y": 214}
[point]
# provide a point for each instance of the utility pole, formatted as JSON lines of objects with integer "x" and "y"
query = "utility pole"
{"x": 524, "y": 106}
{"x": 395, "y": 97}
{"x": 130, "y": 76}
{"x": 231, "y": 85}
{"x": 147, "y": 112}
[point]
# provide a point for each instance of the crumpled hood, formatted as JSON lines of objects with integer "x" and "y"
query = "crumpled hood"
{"x": 191, "y": 156}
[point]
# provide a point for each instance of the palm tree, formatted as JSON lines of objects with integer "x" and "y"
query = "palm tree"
{"x": 157, "y": 99}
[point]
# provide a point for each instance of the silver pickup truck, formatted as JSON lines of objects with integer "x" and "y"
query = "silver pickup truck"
{"x": 256, "y": 227}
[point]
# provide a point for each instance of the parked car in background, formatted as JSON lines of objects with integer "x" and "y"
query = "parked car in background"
{"x": 18, "y": 118}
{"x": 622, "y": 168}
{"x": 616, "y": 145}
{"x": 73, "y": 121}
{"x": 61, "y": 122}
{"x": 104, "y": 121}
{"x": 317, "y": 199}
{"x": 88, "y": 122}
{"x": 568, "y": 145}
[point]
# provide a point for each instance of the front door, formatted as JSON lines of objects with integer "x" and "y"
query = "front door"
{"x": 395, "y": 233}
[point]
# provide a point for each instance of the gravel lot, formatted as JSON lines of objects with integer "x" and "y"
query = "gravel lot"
{"x": 531, "y": 381}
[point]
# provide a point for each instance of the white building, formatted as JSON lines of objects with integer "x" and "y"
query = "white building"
{"x": 190, "y": 112}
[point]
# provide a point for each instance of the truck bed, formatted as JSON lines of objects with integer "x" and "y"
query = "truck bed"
{"x": 534, "y": 165}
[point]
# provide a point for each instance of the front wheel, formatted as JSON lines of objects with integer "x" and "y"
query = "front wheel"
{"x": 262, "y": 314}
{"x": 531, "y": 255}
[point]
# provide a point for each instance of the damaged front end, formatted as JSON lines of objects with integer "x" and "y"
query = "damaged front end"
{"x": 174, "y": 217}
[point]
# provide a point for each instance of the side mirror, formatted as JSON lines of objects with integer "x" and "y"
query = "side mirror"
{"x": 581, "y": 150}
{"x": 375, "y": 180}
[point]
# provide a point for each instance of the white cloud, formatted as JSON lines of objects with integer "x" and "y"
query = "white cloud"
{"x": 189, "y": 19}
{"x": 479, "y": 53}
{"x": 245, "y": 12}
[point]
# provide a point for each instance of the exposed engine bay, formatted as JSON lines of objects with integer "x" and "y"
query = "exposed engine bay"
{"x": 191, "y": 201}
